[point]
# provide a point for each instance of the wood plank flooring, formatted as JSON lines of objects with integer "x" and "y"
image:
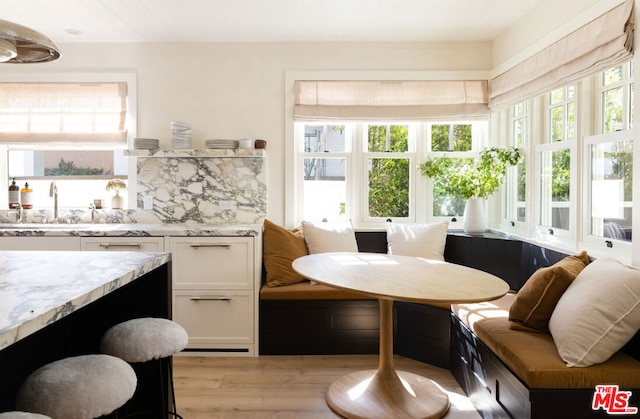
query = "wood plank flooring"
{"x": 284, "y": 387}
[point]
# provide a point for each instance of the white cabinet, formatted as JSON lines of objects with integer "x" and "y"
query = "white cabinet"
{"x": 129, "y": 244}
{"x": 215, "y": 292}
{"x": 39, "y": 243}
{"x": 220, "y": 321}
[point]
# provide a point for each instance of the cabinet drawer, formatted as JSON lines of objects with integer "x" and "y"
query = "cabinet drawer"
{"x": 130, "y": 244}
{"x": 210, "y": 317}
{"x": 206, "y": 262}
{"x": 39, "y": 243}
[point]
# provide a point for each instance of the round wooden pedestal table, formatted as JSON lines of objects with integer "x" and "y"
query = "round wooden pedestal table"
{"x": 385, "y": 392}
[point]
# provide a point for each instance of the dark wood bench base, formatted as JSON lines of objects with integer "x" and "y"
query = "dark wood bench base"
{"x": 319, "y": 327}
{"x": 497, "y": 393}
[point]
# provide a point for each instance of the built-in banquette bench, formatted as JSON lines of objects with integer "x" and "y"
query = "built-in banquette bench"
{"x": 521, "y": 377}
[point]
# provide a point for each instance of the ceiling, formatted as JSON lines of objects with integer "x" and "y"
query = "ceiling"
{"x": 267, "y": 20}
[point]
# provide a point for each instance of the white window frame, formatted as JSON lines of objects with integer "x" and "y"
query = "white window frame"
{"x": 548, "y": 232}
{"x": 625, "y": 83}
{"x": 479, "y": 140}
{"x": 510, "y": 191}
{"x": 356, "y": 158}
{"x": 347, "y": 155}
{"x": 363, "y": 157}
{"x": 599, "y": 245}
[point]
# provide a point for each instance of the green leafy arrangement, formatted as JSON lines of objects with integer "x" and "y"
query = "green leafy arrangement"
{"x": 472, "y": 178}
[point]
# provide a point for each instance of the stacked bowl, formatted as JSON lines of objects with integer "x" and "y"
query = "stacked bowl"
{"x": 180, "y": 135}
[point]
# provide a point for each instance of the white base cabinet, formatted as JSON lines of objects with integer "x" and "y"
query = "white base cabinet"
{"x": 220, "y": 321}
{"x": 215, "y": 293}
{"x": 39, "y": 243}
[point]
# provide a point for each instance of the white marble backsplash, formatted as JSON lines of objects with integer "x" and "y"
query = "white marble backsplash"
{"x": 203, "y": 189}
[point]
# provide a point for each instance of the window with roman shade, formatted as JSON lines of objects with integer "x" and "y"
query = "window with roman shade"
{"x": 63, "y": 113}
{"x": 390, "y": 100}
{"x": 600, "y": 44}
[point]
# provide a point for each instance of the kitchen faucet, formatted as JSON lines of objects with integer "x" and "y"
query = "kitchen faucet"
{"x": 92, "y": 207}
{"x": 53, "y": 192}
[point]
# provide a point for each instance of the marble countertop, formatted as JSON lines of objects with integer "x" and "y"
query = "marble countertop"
{"x": 31, "y": 297}
{"x": 128, "y": 230}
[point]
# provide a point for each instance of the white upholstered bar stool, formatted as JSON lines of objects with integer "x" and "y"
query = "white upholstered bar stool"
{"x": 148, "y": 339}
{"x": 78, "y": 387}
{"x": 22, "y": 415}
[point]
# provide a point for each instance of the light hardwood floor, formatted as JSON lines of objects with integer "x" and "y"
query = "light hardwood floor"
{"x": 284, "y": 387}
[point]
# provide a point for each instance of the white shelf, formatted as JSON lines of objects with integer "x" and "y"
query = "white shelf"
{"x": 164, "y": 153}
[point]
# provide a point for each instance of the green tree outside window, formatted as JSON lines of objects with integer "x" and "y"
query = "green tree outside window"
{"x": 388, "y": 177}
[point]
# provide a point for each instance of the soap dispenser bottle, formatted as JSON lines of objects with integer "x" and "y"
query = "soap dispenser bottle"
{"x": 14, "y": 195}
{"x": 25, "y": 197}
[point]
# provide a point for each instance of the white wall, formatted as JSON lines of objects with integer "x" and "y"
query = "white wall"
{"x": 236, "y": 90}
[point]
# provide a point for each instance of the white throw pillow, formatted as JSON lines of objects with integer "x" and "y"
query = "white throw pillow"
{"x": 421, "y": 240}
{"x": 598, "y": 314}
{"x": 329, "y": 237}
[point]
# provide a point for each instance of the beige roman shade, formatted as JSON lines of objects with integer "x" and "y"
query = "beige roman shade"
{"x": 601, "y": 44}
{"x": 65, "y": 113}
{"x": 390, "y": 100}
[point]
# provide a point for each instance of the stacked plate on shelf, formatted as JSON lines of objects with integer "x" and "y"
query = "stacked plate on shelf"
{"x": 221, "y": 144}
{"x": 180, "y": 135}
{"x": 146, "y": 144}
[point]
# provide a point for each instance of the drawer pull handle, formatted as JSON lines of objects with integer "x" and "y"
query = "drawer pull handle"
{"x": 108, "y": 245}
{"x": 211, "y": 298}
{"x": 224, "y": 246}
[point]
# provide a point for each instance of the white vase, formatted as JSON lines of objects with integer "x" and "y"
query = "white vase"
{"x": 475, "y": 220}
{"x": 117, "y": 202}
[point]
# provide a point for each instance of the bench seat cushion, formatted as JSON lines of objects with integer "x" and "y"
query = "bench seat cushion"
{"x": 533, "y": 356}
{"x": 306, "y": 291}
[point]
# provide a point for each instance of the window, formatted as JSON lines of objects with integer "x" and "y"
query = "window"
{"x": 324, "y": 179}
{"x": 586, "y": 125}
{"x": 388, "y": 163}
{"x": 367, "y": 172}
{"x": 609, "y": 163}
{"x": 384, "y": 121}
{"x": 70, "y": 128}
{"x": 555, "y": 163}
{"x": 616, "y": 98}
{"x": 610, "y": 178}
{"x": 516, "y": 179}
{"x": 454, "y": 141}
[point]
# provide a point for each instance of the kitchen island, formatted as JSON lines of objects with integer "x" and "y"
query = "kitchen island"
{"x": 55, "y": 304}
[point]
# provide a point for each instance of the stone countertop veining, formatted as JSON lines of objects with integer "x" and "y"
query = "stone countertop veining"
{"x": 128, "y": 230}
{"x": 38, "y": 288}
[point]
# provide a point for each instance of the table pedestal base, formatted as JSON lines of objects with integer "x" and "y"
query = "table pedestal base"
{"x": 387, "y": 394}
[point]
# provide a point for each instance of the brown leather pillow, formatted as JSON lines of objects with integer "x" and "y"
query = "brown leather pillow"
{"x": 280, "y": 247}
{"x": 536, "y": 300}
